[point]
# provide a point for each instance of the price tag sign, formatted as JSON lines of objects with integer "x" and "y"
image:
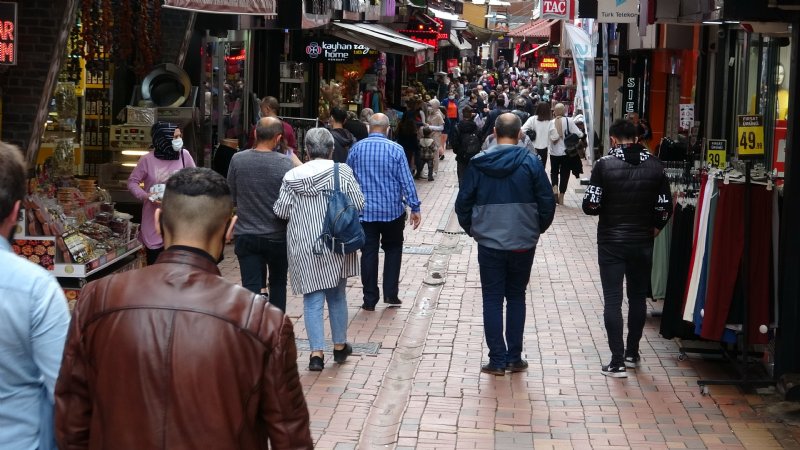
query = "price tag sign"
{"x": 750, "y": 135}
{"x": 716, "y": 152}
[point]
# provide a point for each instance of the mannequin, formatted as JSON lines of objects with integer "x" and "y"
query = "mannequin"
{"x": 783, "y": 93}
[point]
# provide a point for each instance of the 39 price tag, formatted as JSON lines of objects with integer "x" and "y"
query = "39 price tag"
{"x": 750, "y": 135}
{"x": 716, "y": 152}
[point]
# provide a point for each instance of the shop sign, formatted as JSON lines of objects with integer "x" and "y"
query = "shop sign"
{"x": 8, "y": 34}
{"x": 548, "y": 63}
{"x": 253, "y": 7}
{"x": 613, "y": 67}
{"x": 779, "y": 152}
{"x": 618, "y": 11}
{"x": 452, "y": 64}
{"x": 716, "y": 152}
{"x": 334, "y": 50}
{"x": 556, "y": 9}
{"x": 630, "y": 91}
{"x": 750, "y": 132}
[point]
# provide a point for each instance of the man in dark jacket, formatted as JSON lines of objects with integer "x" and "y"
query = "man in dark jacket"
{"x": 356, "y": 127}
{"x": 505, "y": 202}
{"x": 499, "y": 108}
{"x": 342, "y": 139}
{"x": 175, "y": 356}
{"x": 630, "y": 192}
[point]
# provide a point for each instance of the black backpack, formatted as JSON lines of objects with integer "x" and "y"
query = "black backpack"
{"x": 342, "y": 232}
{"x": 471, "y": 145}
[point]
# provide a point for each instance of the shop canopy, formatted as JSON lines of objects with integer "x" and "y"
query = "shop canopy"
{"x": 535, "y": 48}
{"x": 482, "y": 34}
{"x": 533, "y": 29}
{"x": 382, "y": 39}
{"x": 252, "y": 7}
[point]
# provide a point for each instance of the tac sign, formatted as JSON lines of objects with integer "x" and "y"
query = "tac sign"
{"x": 8, "y": 34}
{"x": 716, "y": 152}
{"x": 556, "y": 9}
{"x": 750, "y": 135}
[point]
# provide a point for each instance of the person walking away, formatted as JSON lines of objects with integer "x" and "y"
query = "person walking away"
{"x": 343, "y": 139}
{"x": 451, "y": 106}
{"x": 519, "y": 109}
{"x": 466, "y": 143}
{"x": 630, "y": 192}
{"x": 388, "y": 188}
{"x": 146, "y": 181}
{"x": 175, "y": 356}
{"x": 34, "y": 318}
{"x": 255, "y": 179}
{"x": 318, "y": 273}
{"x": 270, "y": 108}
{"x": 429, "y": 150}
{"x": 538, "y": 126}
{"x": 408, "y": 139}
{"x": 505, "y": 203}
{"x": 560, "y": 127}
{"x": 435, "y": 120}
{"x": 488, "y": 125}
{"x": 222, "y": 156}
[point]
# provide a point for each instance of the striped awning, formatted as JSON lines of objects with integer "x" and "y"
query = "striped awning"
{"x": 534, "y": 29}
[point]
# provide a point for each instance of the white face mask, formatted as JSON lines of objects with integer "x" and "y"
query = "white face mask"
{"x": 177, "y": 144}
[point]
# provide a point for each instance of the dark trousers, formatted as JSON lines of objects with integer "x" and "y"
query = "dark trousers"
{"x": 542, "y": 152}
{"x": 461, "y": 167}
{"x": 255, "y": 254}
{"x": 152, "y": 254}
{"x": 559, "y": 172}
{"x": 429, "y": 163}
{"x": 390, "y": 237}
{"x": 633, "y": 263}
{"x": 504, "y": 275}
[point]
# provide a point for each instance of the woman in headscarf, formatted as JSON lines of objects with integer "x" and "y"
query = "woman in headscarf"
{"x": 147, "y": 180}
{"x": 435, "y": 121}
{"x": 559, "y": 161}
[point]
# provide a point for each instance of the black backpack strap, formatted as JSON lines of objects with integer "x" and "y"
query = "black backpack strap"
{"x": 336, "y": 176}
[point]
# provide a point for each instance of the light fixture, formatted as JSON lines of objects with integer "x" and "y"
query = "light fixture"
{"x": 712, "y": 22}
{"x": 128, "y": 164}
{"x": 135, "y": 152}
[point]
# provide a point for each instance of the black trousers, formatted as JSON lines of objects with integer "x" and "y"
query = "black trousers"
{"x": 559, "y": 172}
{"x": 542, "y": 152}
{"x": 389, "y": 235}
{"x": 256, "y": 254}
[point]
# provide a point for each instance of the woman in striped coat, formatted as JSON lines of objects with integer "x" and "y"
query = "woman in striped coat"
{"x": 319, "y": 277}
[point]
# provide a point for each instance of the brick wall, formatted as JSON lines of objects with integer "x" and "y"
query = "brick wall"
{"x": 43, "y": 27}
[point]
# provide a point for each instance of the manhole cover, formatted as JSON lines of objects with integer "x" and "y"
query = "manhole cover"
{"x": 368, "y": 348}
{"x": 423, "y": 250}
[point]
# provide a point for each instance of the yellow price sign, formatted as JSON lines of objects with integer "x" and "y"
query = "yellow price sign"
{"x": 716, "y": 152}
{"x": 750, "y": 135}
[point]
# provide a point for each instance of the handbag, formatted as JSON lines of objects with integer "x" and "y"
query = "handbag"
{"x": 571, "y": 141}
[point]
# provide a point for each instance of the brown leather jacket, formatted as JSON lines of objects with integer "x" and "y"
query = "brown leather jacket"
{"x": 172, "y": 356}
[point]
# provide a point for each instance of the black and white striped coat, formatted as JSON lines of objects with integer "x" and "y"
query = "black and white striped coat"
{"x": 302, "y": 201}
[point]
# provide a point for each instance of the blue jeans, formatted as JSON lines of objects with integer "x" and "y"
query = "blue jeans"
{"x": 388, "y": 235}
{"x": 632, "y": 262}
{"x": 313, "y": 306}
{"x": 504, "y": 275}
{"x": 255, "y": 254}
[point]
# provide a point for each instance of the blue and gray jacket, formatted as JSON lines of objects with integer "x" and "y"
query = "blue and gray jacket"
{"x": 505, "y": 200}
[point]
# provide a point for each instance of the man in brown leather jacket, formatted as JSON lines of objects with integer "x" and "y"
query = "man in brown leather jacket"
{"x": 173, "y": 356}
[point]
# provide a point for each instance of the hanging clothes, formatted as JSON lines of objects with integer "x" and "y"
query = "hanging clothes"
{"x": 680, "y": 256}
{"x": 660, "y": 271}
{"x": 698, "y": 249}
{"x": 712, "y": 199}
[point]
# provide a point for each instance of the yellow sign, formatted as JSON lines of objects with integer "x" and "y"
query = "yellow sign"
{"x": 750, "y": 135}
{"x": 716, "y": 152}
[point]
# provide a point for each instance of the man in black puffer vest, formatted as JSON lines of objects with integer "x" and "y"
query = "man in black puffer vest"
{"x": 630, "y": 192}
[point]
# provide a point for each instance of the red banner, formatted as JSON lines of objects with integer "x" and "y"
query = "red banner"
{"x": 252, "y": 7}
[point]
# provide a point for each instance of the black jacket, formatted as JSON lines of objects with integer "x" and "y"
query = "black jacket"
{"x": 488, "y": 126}
{"x": 357, "y": 127}
{"x": 342, "y": 141}
{"x": 631, "y": 194}
{"x": 463, "y": 128}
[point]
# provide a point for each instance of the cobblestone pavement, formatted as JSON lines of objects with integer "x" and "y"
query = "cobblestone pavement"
{"x": 423, "y": 389}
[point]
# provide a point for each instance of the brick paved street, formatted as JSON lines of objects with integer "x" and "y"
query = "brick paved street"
{"x": 423, "y": 389}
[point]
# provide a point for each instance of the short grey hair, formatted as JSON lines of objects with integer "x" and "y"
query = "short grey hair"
{"x": 319, "y": 143}
{"x": 366, "y": 113}
{"x": 379, "y": 121}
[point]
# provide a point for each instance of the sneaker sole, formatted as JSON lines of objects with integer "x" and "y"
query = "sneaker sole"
{"x": 631, "y": 365}
{"x": 615, "y": 374}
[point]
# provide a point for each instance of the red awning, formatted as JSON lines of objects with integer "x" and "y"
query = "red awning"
{"x": 537, "y": 28}
{"x": 251, "y": 7}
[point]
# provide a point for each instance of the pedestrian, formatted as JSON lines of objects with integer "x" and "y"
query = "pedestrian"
{"x": 269, "y": 108}
{"x": 428, "y": 149}
{"x": 505, "y": 204}
{"x": 343, "y": 139}
{"x": 318, "y": 273}
{"x": 34, "y": 318}
{"x": 408, "y": 139}
{"x": 435, "y": 120}
{"x": 355, "y": 126}
{"x": 255, "y": 178}
{"x": 466, "y": 142}
{"x": 221, "y": 160}
{"x": 389, "y": 189}
{"x": 175, "y": 356}
{"x": 560, "y": 128}
{"x": 630, "y": 192}
{"x": 538, "y": 127}
{"x": 146, "y": 181}
{"x": 488, "y": 126}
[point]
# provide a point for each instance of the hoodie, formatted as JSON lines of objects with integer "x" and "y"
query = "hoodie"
{"x": 505, "y": 201}
{"x": 342, "y": 141}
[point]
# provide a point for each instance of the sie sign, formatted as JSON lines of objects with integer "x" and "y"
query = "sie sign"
{"x": 557, "y": 9}
{"x": 8, "y": 34}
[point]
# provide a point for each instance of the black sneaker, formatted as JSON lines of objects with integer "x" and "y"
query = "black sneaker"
{"x": 367, "y": 307}
{"x": 341, "y": 355}
{"x": 491, "y": 370}
{"x": 393, "y": 301}
{"x": 316, "y": 364}
{"x": 519, "y": 366}
{"x": 613, "y": 371}
{"x": 632, "y": 362}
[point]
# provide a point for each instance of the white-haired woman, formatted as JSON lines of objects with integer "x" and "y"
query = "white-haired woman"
{"x": 559, "y": 161}
{"x": 318, "y": 276}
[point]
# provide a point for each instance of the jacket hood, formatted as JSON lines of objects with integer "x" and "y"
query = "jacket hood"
{"x": 434, "y": 103}
{"x": 634, "y": 154}
{"x": 343, "y": 137}
{"x": 500, "y": 160}
{"x": 312, "y": 178}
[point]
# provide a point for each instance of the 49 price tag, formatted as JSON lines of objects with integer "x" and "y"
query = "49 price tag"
{"x": 750, "y": 135}
{"x": 716, "y": 152}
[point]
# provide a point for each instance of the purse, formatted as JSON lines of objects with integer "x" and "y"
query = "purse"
{"x": 571, "y": 141}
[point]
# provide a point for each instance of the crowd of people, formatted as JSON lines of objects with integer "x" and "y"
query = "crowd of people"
{"x": 125, "y": 371}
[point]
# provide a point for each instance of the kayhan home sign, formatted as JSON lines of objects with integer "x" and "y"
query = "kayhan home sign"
{"x": 335, "y": 50}
{"x": 618, "y": 11}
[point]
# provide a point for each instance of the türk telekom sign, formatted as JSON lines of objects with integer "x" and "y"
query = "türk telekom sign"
{"x": 8, "y": 34}
{"x": 558, "y": 9}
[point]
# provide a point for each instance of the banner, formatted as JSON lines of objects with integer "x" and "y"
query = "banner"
{"x": 251, "y": 7}
{"x": 618, "y": 11}
{"x": 583, "y": 54}
{"x": 606, "y": 100}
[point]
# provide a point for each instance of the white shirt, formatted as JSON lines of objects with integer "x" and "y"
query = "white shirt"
{"x": 542, "y": 129}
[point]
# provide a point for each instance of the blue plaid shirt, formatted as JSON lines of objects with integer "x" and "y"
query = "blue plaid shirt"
{"x": 381, "y": 169}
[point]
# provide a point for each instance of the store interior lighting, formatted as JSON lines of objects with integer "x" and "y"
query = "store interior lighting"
{"x": 134, "y": 152}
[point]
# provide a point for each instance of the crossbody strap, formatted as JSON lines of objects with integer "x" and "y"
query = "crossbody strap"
{"x": 336, "y": 176}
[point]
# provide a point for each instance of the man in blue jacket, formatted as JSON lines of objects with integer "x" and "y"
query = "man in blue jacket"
{"x": 505, "y": 202}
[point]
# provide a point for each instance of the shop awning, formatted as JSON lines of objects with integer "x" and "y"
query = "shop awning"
{"x": 382, "y": 39}
{"x": 482, "y": 34}
{"x": 251, "y": 7}
{"x": 535, "y": 48}
{"x": 444, "y": 15}
{"x": 537, "y": 28}
{"x": 459, "y": 43}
